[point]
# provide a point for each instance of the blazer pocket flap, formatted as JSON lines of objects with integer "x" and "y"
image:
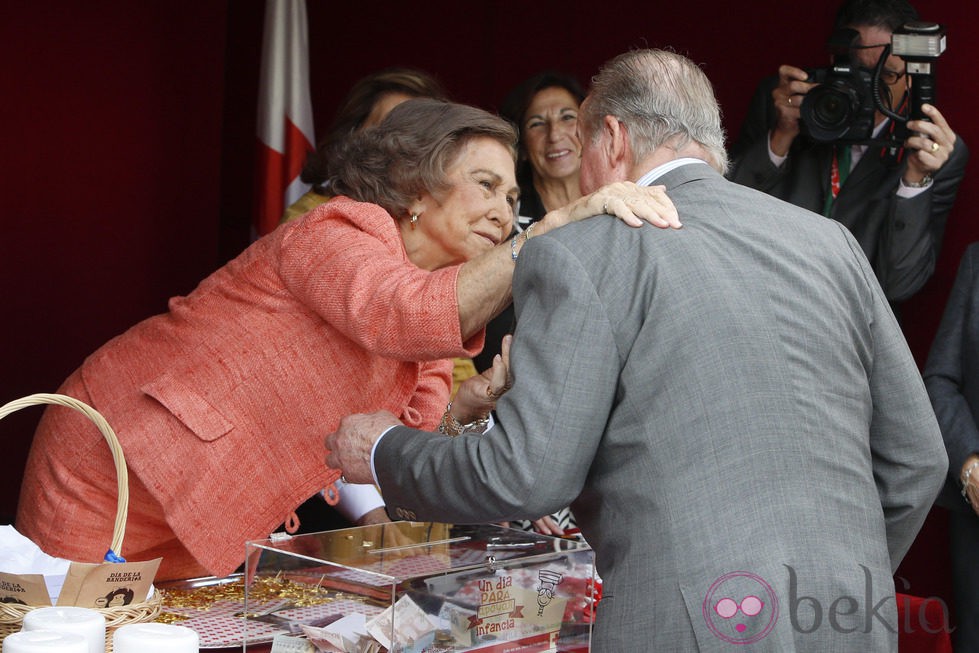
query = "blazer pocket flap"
{"x": 189, "y": 406}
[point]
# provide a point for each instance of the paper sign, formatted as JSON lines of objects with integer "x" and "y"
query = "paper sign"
{"x": 26, "y": 589}
{"x": 459, "y": 620}
{"x": 109, "y": 584}
{"x": 544, "y": 611}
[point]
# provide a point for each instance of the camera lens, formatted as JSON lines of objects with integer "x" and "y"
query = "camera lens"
{"x": 829, "y": 110}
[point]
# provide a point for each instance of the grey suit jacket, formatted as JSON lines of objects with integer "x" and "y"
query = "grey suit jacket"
{"x": 731, "y": 407}
{"x": 901, "y": 237}
{"x": 952, "y": 375}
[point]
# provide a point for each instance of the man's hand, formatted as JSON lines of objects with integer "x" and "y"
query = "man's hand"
{"x": 375, "y": 516}
{"x": 477, "y": 395}
{"x": 349, "y": 449}
{"x": 787, "y": 97}
{"x": 931, "y": 144}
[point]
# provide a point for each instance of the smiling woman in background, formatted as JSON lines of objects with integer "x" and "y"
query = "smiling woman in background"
{"x": 545, "y": 110}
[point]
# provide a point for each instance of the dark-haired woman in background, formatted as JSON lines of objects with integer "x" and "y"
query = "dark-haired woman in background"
{"x": 544, "y": 109}
{"x": 369, "y": 100}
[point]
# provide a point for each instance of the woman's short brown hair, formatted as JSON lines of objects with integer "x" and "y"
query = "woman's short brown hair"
{"x": 410, "y": 152}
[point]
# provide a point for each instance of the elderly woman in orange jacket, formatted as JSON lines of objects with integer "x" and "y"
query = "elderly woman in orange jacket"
{"x": 221, "y": 403}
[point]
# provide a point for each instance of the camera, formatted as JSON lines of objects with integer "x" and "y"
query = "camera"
{"x": 842, "y": 107}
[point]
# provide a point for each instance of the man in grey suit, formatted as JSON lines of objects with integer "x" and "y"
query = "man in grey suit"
{"x": 731, "y": 406}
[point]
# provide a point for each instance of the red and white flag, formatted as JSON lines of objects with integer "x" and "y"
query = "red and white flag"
{"x": 285, "y": 111}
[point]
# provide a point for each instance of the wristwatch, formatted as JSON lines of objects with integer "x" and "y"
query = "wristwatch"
{"x": 922, "y": 183}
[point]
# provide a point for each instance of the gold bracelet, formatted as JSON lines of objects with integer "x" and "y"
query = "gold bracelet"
{"x": 452, "y": 427}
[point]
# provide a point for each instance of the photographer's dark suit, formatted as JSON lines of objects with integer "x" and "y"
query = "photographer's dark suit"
{"x": 901, "y": 237}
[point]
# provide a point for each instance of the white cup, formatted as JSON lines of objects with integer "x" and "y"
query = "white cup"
{"x": 68, "y": 619}
{"x": 154, "y": 638}
{"x": 45, "y": 641}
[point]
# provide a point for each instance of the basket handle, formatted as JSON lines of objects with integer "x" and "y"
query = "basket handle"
{"x": 122, "y": 472}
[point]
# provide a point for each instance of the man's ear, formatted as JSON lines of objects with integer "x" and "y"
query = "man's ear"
{"x": 618, "y": 150}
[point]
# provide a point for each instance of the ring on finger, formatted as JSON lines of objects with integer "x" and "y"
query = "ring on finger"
{"x": 935, "y": 146}
{"x": 789, "y": 100}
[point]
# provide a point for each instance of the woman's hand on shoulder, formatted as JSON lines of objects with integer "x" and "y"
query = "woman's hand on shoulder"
{"x": 632, "y": 204}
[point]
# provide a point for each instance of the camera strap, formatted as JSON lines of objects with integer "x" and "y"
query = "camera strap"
{"x": 838, "y": 172}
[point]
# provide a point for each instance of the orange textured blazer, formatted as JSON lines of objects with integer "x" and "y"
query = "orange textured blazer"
{"x": 221, "y": 404}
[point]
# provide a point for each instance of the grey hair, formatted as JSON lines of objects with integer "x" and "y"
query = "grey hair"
{"x": 663, "y": 98}
{"x": 411, "y": 151}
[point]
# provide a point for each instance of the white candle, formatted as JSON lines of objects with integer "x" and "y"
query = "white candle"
{"x": 66, "y": 619}
{"x": 154, "y": 638}
{"x": 44, "y": 641}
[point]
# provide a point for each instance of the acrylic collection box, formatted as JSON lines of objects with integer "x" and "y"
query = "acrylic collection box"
{"x": 410, "y": 587}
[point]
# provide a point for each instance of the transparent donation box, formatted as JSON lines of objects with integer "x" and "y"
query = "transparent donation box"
{"x": 410, "y": 587}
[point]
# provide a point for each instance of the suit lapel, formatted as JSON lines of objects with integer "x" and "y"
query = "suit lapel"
{"x": 869, "y": 175}
{"x": 868, "y": 165}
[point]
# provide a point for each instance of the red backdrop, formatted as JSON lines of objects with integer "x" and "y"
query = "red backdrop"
{"x": 128, "y": 163}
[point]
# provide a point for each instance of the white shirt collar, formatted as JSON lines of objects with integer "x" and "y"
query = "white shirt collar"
{"x": 660, "y": 170}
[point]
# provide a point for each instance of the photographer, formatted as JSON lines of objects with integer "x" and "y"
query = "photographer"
{"x": 894, "y": 198}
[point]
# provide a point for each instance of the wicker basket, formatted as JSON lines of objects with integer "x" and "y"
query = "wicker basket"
{"x": 12, "y": 614}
